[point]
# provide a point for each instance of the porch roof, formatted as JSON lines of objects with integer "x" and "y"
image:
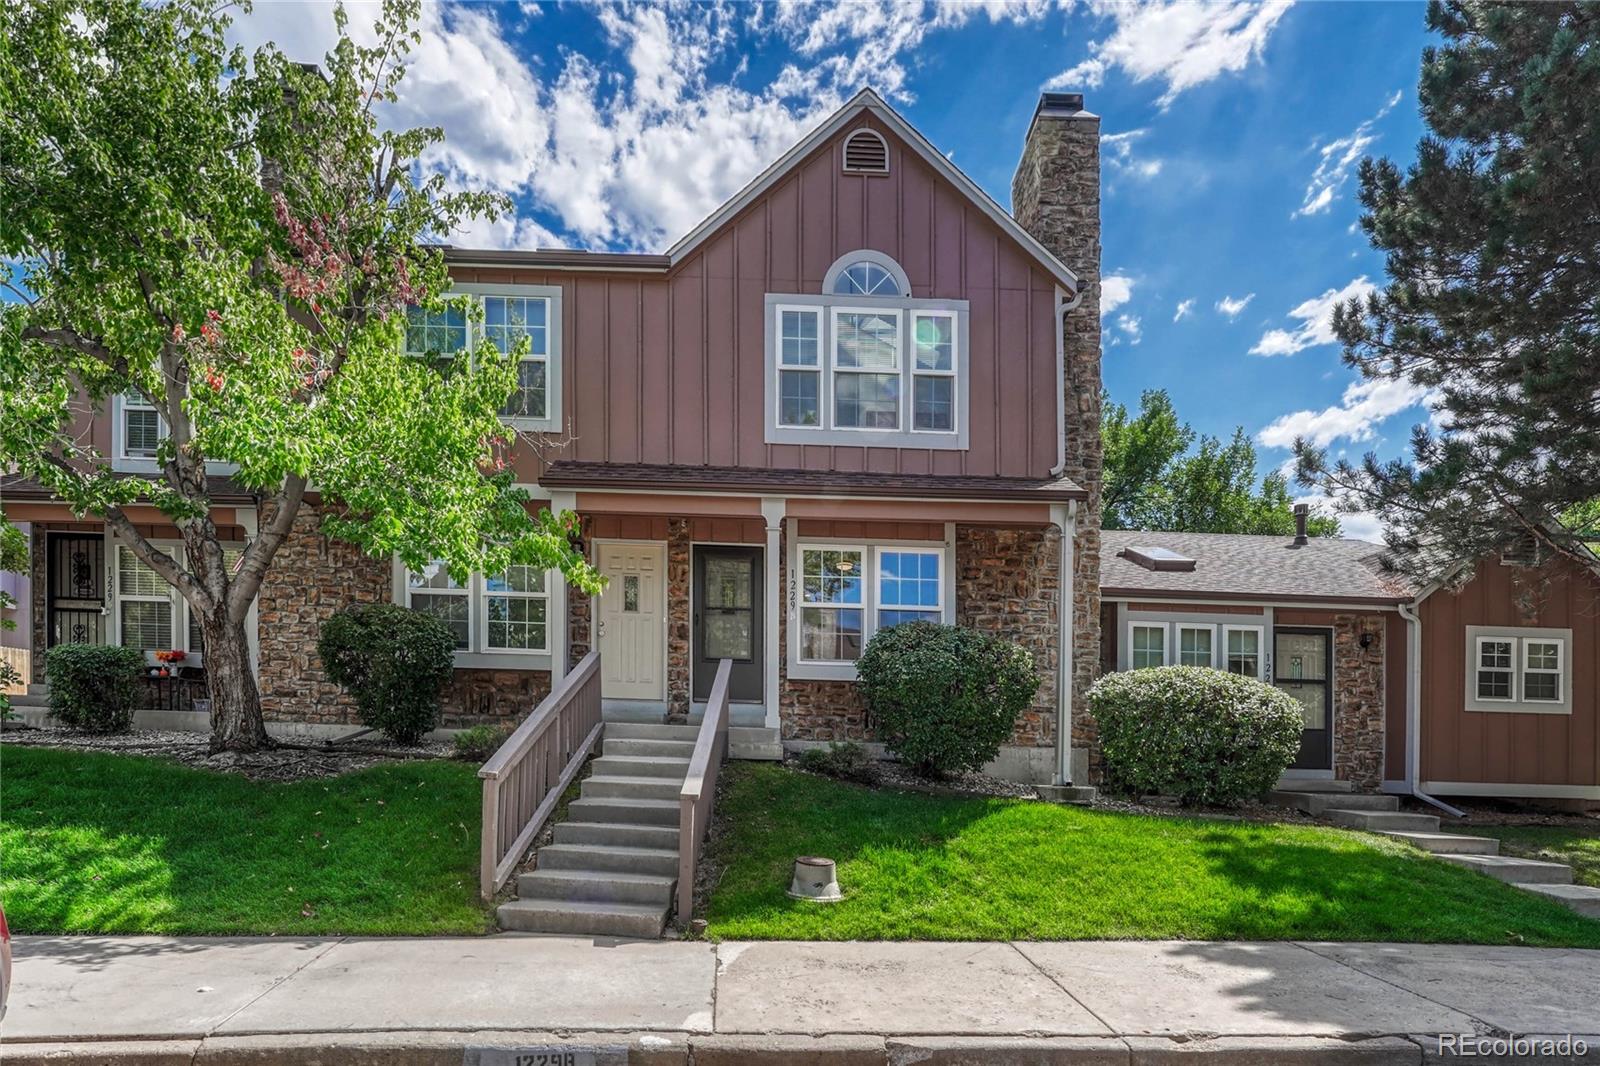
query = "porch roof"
{"x": 652, "y": 477}
{"x": 1241, "y": 567}
{"x": 221, "y": 489}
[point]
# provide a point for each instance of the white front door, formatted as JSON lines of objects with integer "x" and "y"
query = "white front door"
{"x": 631, "y": 628}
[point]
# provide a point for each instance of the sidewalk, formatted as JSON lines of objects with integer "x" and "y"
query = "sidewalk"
{"x": 152, "y": 1001}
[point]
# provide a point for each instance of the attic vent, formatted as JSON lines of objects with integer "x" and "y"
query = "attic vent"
{"x": 865, "y": 152}
{"x": 1523, "y": 550}
{"x": 1157, "y": 558}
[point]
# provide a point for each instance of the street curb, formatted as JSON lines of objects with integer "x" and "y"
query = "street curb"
{"x": 440, "y": 1048}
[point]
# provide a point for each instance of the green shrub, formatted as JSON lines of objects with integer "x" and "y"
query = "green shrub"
{"x": 478, "y": 742}
{"x": 1201, "y": 735}
{"x": 843, "y": 759}
{"x": 393, "y": 661}
{"x": 94, "y": 686}
{"x": 944, "y": 698}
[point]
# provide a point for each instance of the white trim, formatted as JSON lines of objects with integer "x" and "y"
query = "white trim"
{"x": 1518, "y": 637}
{"x": 953, "y": 373}
{"x": 1261, "y": 650}
{"x": 818, "y": 370}
{"x": 898, "y": 370}
{"x": 866, "y": 255}
{"x": 1179, "y": 628}
{"x": 1166, "y": 642}
{"x": 1559, "y": 673}
{"x": 868, "y": 101}
{"x": 772, "y": 510}
{"x": 477, "y": 654}
{"x": 481, "y": 605}
{"x": 864, "y": 131}
{"x": 1529, "y": 791}
{"x": 1509, "y": 643}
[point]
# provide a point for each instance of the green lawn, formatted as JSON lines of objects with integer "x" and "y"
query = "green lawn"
{"x": 1578, "y": 848}
{"x": 97, "y": 843}
{"x": 925, "y": 867}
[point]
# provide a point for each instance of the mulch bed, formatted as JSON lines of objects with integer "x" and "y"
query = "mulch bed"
{"x": 1508, "y": 812}
{"x": 283, "y": 762}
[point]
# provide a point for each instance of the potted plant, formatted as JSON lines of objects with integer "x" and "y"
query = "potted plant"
{"x": 169, "y": 660}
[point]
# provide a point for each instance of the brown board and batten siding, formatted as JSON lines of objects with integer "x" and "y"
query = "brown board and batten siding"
{"x": 669, "y": 367}
{"x": 1511, "y": 748}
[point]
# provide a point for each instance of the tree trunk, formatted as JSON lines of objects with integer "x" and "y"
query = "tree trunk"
{"x": 236, "y": 723}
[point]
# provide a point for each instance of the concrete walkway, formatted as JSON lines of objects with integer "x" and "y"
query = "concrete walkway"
{"x": 224, "y": 1000}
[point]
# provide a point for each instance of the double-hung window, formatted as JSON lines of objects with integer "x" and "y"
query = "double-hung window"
{"x": 144, "y": 604}
{"x": 1147, "y": 645}
{"x": 864, "y": 363}
{"x": 516, "y": 611}
{"x": 1243, "y": 646}
{"x": 142, "y": 428}
{"x": 435, "y": 592}
{"x": 504, "y": 316}
{"x": 849, "y": 592}
{"x": 1195, "y": 646}
{"x": 1518, "y": 670}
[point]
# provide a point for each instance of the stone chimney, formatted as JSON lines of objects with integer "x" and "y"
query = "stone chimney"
{"x": 1055, "y": 195}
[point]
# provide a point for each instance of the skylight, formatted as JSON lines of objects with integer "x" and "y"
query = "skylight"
{"x": 1157, "y": 558}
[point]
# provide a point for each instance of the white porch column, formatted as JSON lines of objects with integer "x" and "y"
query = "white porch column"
{"x": 772, "y": 511}
{"x": 1065, "y": 518}
{"x": 557, "y": 627}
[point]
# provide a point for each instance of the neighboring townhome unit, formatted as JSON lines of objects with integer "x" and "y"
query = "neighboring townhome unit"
{"x": 861, "y": 392}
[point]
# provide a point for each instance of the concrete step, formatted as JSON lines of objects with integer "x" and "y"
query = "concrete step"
{"x": 1318, "y": 802}
{"x": 574, "y": 916}
{"x": 1074, "y": 795}
{"x": 750, "y": 742}
{"x": 1313, "y": 784}
{"x": 595, "y": 886}
{"x": 1378, "y": 821}
{"x": 627, "y": 748}
{"x": 660, "y": 862}
{"x": 618, "y": 835}
{"x": 31, "y": 699}
{"x": 650, "y": 731}
{"x": 610, "y": 765}
{"x": 1513, "y": 870}
{"x": 632, "y": 811}
{"x": 1448, "y": 843}
{"x": 633, "y": 788}
{"x": 1585, "y": 899}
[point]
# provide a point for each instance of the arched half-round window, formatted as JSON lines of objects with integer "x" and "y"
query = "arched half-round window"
{"x": 866, "y": 273}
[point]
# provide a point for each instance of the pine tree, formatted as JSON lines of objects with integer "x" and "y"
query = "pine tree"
{"x": 1492, "y": 240}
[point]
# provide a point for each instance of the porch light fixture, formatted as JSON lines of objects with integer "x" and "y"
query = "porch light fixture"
{"x": 1366, "y": 641}
{"x": 815, "y": 880}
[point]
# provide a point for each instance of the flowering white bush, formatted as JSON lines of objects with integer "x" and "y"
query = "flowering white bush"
{"x": 1202, "y": 735}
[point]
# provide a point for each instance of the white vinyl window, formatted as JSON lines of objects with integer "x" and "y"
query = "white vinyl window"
{"x": 933, "y": 372}
{"x": 142, "y": 428}
{"x": 849, "y": 592}
{"x": 1542, "y": 669}
{"x": 144, "y": 604}
{"x": 1519, "y": 670}
{"x": 1195, "y": 646}
{"x": 864, "y": 363}
{"x": 1147, "y": 645}
{"x": 502, "y": 316}
{"x": 866, "y": 369}
{"x": 435, "y": 592}
{"x": 799, "y": 366}
{"x": 1242, "y": 645}
{"x": 516, "y": 611}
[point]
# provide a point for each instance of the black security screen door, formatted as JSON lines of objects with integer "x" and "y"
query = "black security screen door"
{"x": 727, "y": 620}
{"x": 75, "y": 589}
{"x": 1302, "y": 665}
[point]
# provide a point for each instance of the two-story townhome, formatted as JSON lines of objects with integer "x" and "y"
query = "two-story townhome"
{"x": 860, "y": 392}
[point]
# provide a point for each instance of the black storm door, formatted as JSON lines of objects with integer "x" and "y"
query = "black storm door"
{"x": 1302, "y": 665}
{"x": 75, "y": 589}
{"x": 727, "y": 619}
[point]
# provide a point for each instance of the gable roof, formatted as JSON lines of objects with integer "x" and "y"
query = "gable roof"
{"x": 862, "y": 103}
{"x": 1241, "y": 567}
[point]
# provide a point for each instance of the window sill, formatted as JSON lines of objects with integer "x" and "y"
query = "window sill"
{"x": 1477, "y": 707}
{"x": 533, "y": 425}
{"x": 821, "y": 672}
{"x": 498, "y": 660}
{"x": 864, "y": 438}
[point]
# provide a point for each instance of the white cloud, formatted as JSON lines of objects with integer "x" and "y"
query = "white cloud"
{"x": 630, "y": 146}
{"x": 1181, "y": 43}
{"x": 1185, "y": 310}
{"x": 1337, "y": 158}
{"x": 1354, "y": 418}
{"x": 1131, "y": 327}
{"x": 1316, "y": 321}
{"x": 1115, "y": 290}
{"x": 1353, "y": 525}
{"x": 1117, "y": 150}
{"x": 1232, "y": 306}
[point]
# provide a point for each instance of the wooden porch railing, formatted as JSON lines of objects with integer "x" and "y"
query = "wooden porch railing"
{"x": 523, "y": 781}
{"x": 699, "y": 793}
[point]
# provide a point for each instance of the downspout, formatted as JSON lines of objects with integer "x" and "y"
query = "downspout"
{"x": 1408, "y": 611}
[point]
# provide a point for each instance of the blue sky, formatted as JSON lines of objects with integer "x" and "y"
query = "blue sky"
{"x": 1231, "y": 136}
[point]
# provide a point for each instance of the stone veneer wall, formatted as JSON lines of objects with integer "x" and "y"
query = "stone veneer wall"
{"x": 1007, "y": 583}
{"x": 1358, "y": 700}
{"x": 1055, "y": 196}
{"x": 678, "y": 574}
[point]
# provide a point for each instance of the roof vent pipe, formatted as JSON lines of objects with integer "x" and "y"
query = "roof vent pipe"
{"x": 1302, "y": 512}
